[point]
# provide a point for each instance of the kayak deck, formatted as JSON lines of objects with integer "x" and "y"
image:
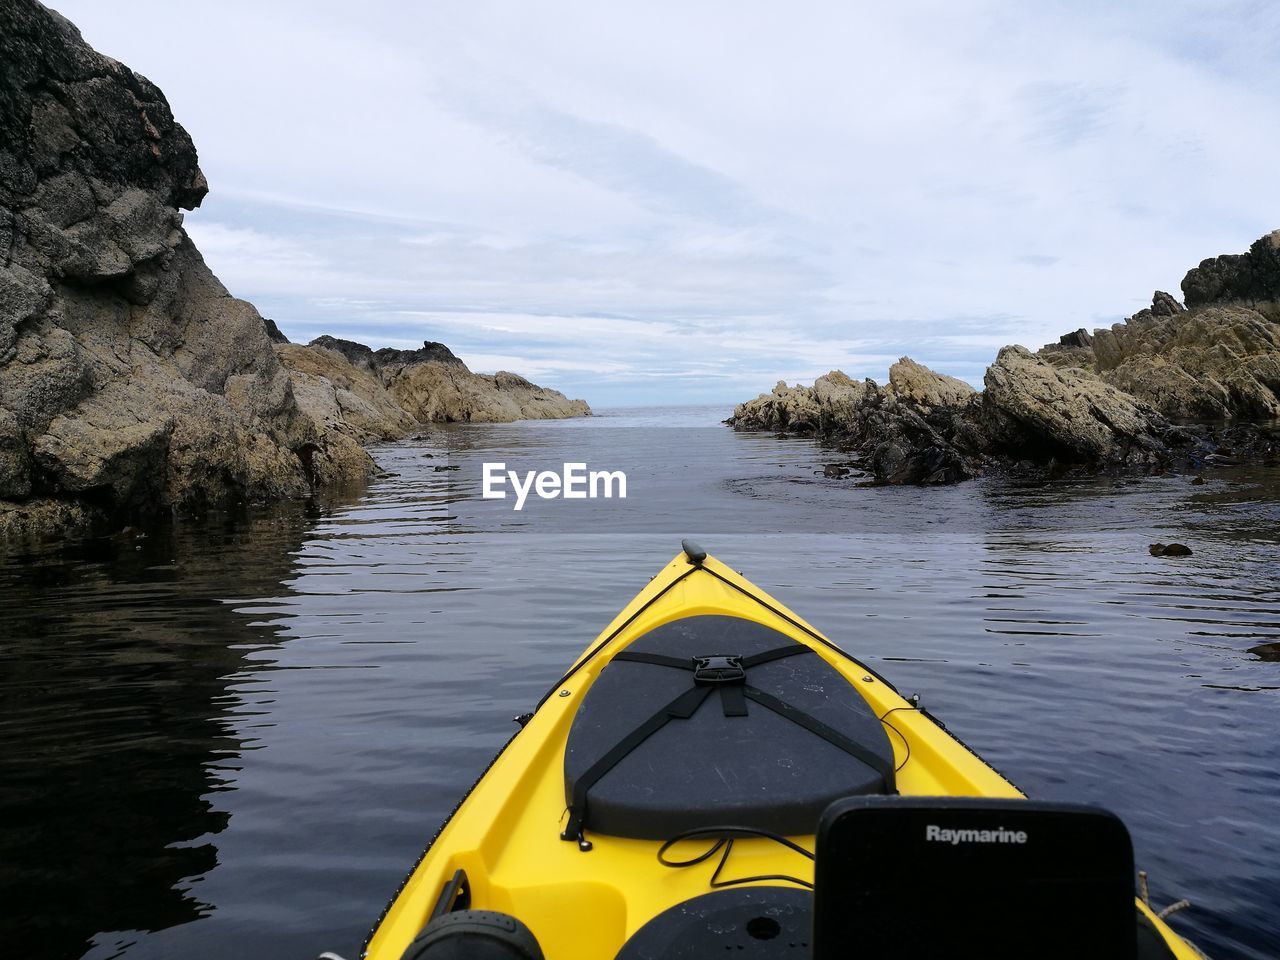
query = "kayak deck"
{"x": 506, "y": 834}
{"x": 713, "y": 720}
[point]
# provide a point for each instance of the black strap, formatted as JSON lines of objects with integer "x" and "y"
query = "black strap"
{"x": 732, "y": 700}
{"x": 768, "y": 656}
{"x": 657, "y": 659}
{"x": 686, "y": 663}
{"x": 829, "y": 734}
{"x": 681, "y": 708}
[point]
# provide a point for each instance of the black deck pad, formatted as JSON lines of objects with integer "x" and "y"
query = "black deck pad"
{"x": 761, "y": 770}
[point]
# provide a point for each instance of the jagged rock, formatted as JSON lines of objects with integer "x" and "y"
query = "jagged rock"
{"x": 274, "y": 333}
{"x": 131, "y": 381}
{"x": 341, "y": 395}
{"x": 129, "y": 377}
{"x": 356, "y": 354}
{"x": 833, "y": 399}
{"x": 1217, "y": 358}
{"x": 1220, "y": 361}
{"x": 1250, "y": 278}
{"x": 1079, "y": 338}
{"x": 838, "y": 398}
{"x": 435, "y": 391}
{"x": 928, "y": 429}
{"x": 925, "y": 389}
{"x": 1164, "y": 305}
{"x": 1088, "y": 400}
{"x": 786, "y": 408}
{"x": 387, "y": 359}
{"x": 1066, "y": 413}
{"x": 1212, "y": 362}
{"x": 895, "y": 437}
{"x": 385, "y": 392}
{"x": 902, "y": 447}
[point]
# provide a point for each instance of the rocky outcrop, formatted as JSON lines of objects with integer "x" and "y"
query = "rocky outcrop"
{"x": 453, "y": 393}
{"x": 387, "y": 359}
{"x": 1251, "y": 279}
{"x": 380, "y": 393}
{"x": 130, "y": 379}
{"x": 789, "y": 409}
{"x": 1030, "y": 405}
{"x": 1216, "y": 358}
{"x": 342, "y": 396}
{"x": 1113, "y": 397}
{"x": 924, "y": 429}
{"x": 920, "y": 386}
{"x": 1211, "y": 362}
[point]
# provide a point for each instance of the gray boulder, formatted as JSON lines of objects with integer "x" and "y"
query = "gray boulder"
{"x": 1033, "y": 410}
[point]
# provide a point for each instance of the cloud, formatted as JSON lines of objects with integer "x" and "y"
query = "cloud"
{"x": 1067, "y": 114}
{"x": 663, "y": 201}
{"x": 621, "y": 160}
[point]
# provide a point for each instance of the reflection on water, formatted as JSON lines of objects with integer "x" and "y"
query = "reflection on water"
{"x": 117, "y": 726}
{"x": 235, "y": 739}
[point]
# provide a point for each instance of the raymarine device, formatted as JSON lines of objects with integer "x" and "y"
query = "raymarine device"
{"x": 935, "y": 878}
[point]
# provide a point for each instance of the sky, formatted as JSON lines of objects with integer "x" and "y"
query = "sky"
{"x": 669, "y": 203}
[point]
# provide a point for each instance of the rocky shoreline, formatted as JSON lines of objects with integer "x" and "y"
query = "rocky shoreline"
{"x": 131, "y": 382}
{"x": 1171, "y": 387}
{"x": 382, "y": 394}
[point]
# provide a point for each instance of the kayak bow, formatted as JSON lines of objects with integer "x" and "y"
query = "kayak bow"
{"x": 705, "y": 707}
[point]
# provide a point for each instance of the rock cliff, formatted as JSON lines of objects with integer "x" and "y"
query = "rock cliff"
{"x": 130, "y": 379}
{"x": 1134, "y": 395}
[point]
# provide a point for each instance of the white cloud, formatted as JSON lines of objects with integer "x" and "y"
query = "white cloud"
{"x": 640, "y": 191}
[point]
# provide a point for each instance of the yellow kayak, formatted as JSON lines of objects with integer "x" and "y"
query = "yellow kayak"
{"x": 686, "y": 757}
